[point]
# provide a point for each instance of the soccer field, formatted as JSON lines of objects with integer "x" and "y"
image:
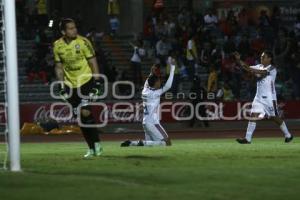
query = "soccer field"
{"x": 190, "y": 169}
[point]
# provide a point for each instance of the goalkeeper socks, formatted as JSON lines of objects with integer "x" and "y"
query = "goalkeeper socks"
{"x": 87, "y": 138}
{"x": 250, "y": 129}
{"x": 92, "y": 134}
{"x": 285, "y": 130}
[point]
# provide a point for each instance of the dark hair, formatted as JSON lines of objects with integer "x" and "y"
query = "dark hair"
{"x": 63, "y": 23}
{"x": 269, "y": 53}
{"x": 152, "y": 80}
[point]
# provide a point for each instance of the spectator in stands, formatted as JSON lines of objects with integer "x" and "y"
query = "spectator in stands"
{"x": 41, "y": 9}
{"x": 124, "y": 89}
{"x": 191, "y": 55}
{"x": 158, "y": 6}
{"x": 297, "y": 26}
{"x": 232, "y": 23}
{"x": 113, "y": 7}
{"x": 162, "y": 50}
{"x": 227, "y": 92}
{"x": 94, "y": 36}
{"x": 79, "y": 19}
{"x": 171, "y": 27}
{"x": 242, "y": 33}
{"x": 244, "y": 45}
{"x": 114, "y": 25}
{"x": 212, "y": 82}
{"x": 160, "y": 28}
{"x": 136, "y": 62}
{"x": 229, "y": 45}
{"x": 265, "y": 28}
{"x": 210, "y": 20}
{"x": 205, "y": 56}
{"x": 183, "y": 17}
{"x": 217, "y": 56}
{"x": 243, "y": 18}
{"x": 258, "y": 44}
{"x": 250, "y": 59}
{"x": 55, "y": 27}
{"x": 34, "y": 70}
{"x": 227, "y": 68}
{"x": 200, "y": 95}
{"x": 295, "y": 71}
{"x": 149, "y": 34}
{"x": 276, "y": 19}
{"x": 281, "y": 48}
{"x": 49, "y": 63}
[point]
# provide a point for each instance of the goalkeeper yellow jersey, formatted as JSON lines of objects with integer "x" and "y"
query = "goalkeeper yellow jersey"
{"x": 74, "y": 58}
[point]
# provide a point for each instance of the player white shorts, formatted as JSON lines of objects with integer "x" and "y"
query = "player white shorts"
{"x": 265, "y": 108}
{"x": 154, "y": 132}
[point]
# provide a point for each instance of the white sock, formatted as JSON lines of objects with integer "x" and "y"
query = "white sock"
{"x": 250, "y": 129}
{"x": 154, "y": 143}
{"x": 134, "y": 143}
{"x": 285, "y": 130}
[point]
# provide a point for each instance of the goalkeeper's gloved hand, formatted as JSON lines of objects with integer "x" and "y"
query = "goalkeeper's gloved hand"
{"x": 62, "y": 93}
{"x": 97, "y": 89}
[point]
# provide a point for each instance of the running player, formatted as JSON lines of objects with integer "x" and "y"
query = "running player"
{"x": 155, "y": 135}
{"x": 264, "y": 104}
{"x": 75, "y": 64}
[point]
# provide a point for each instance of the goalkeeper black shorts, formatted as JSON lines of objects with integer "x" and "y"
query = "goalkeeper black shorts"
{"x": 85, "y": 89}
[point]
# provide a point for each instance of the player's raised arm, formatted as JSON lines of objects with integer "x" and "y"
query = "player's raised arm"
{"x": 248, "y": 68}
{"x": 169, "y": 82}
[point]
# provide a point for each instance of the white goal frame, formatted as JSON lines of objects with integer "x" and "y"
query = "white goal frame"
{"x": 11, "y": 62}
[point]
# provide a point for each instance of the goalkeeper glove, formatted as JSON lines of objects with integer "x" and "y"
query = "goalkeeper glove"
{"x": 97, "y": 89}
{"x": 62, "y": 93}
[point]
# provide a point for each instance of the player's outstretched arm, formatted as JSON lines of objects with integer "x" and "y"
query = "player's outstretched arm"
{"x": 60, "y": 76}
{"x": 97, "y": 88}
{"x": 169, "y": 82}
{"x": 59, "y": 71}
{"x": 246, "y": 67}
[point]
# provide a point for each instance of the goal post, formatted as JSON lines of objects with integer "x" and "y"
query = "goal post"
{"x": 12, "y": 84}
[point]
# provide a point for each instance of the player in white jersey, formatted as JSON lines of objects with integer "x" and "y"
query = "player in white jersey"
{"x": 155, "y": 135}
{"x": 264, "y": 104}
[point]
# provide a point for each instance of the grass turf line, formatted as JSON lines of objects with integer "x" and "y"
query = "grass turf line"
{"x": 190, "y": 169}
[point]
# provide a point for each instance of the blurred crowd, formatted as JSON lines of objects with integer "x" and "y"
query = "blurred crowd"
{"x": 33, "y": 24}
{"x": 203, "y": 45}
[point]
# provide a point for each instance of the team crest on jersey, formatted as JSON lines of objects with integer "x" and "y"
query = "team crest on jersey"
{"x": 77, "y": 47}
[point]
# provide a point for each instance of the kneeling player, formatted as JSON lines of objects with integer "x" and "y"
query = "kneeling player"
{"x": 155, "y": 135}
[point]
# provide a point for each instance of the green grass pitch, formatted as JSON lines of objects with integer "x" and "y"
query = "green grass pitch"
{"x": 190, "y": 169}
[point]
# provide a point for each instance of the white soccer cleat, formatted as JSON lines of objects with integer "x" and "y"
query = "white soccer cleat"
{"x": 98, "y": 149}
{"x": 90, "y": 153}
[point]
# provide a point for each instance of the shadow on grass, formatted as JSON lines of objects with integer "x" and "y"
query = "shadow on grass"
{"x": 141, "y": 157}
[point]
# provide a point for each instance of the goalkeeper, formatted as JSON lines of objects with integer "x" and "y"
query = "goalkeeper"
{"x": 75, "y": 64}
